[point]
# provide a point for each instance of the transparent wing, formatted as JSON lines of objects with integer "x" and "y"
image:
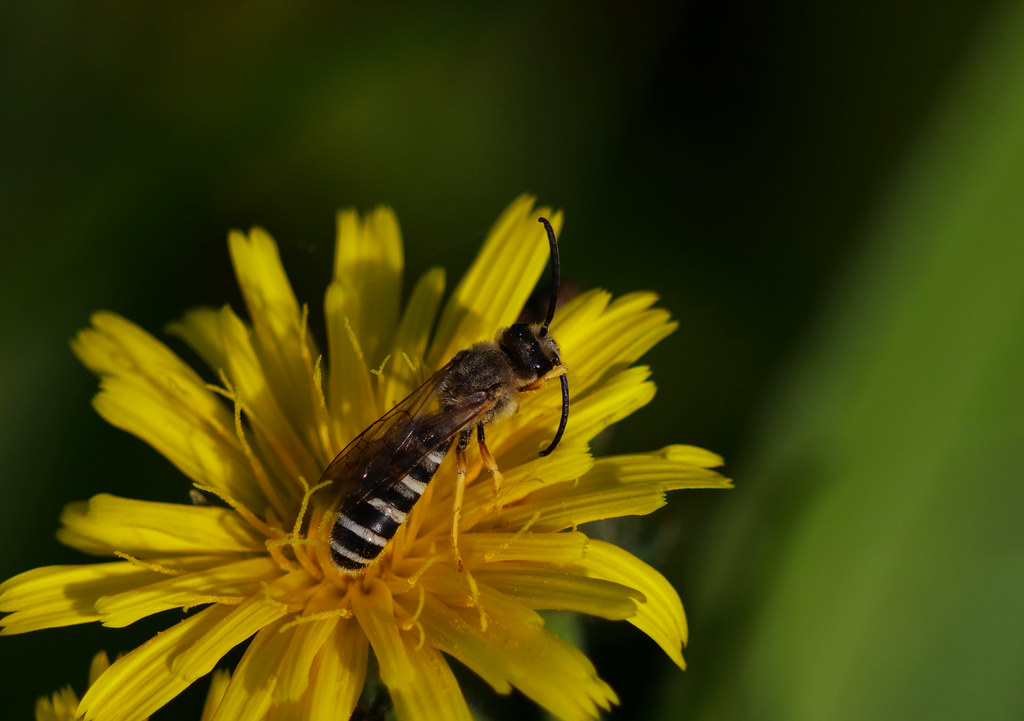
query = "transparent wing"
{"x": 395, "y": 443}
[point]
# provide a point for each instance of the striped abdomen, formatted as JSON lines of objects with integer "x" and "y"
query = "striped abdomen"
{"x": 365, "y": 525}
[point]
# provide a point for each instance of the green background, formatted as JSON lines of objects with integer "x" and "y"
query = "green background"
{"x": 830, "y": 200}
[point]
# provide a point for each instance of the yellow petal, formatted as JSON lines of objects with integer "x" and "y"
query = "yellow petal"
{"x": 463, "y": 640}
{"x": 106, "y": 523}
{"x": 286, "y": 350}
{"x": 142, "y": 681}
{"x": 410, "y": 339}
{"x": 61, "y": 706}
{"x": 285, "y": 454}
{"x": 338, "y": 674}
{"x": 242, "y": 578}
{"x": 351, "y": 390}
{"x": 264, "y": 284}
{"x": 561, "y": 590}
{"x": 360, "y": 310}
{"x": 248, "y": 695}
{"x": 661, "y": 617}
{"x": 368, "y": 264}
{"x": 374, "y": 609}
{"x": 455, "y": 590}
{"x": 498, "y": 283}
{"x": 620, "y": 396}
{"x": 205, "y": 458}
{"x": 218, "y": 685}
{"x": 478, "y": 550}
{"x": 434, "y": 692}
{"x": 420, "y": 682}
{"x": 598, "y": 338}
{"x": 693, "y": 455}
{"x": 115, "y": 346}
{"x": 54, "y": 596}
{"x": 100, "y": 663}
{"x": 547, "y": 669}
{"x": 243, "y": 621}
{"x": 576, "y": 508}
{"x": 531, "y": 472}
{"x": 553, "y": 549}
{"x": 615, "y": 486}
{"x": 307, "y": 640}
{"x": 200, "y": 329}
{"x": 149, "y": 392}
{"x": 295, "y": 454}
{"x": 528, "y": 432}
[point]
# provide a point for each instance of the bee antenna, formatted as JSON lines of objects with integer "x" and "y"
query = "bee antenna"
{"x": 564, "y": 419}
{"x": 553, "y": 299}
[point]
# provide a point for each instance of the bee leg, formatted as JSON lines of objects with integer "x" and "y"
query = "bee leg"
{"x": 488, "y": 460}
{"x": 461, "y": 467}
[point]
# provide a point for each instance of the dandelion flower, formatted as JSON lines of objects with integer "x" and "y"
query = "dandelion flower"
{"x": 253, "y": 564}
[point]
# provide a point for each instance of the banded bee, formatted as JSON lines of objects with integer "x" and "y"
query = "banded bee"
{"x": 381, "y": 474}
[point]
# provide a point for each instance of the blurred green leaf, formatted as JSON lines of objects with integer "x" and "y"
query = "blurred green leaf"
{"x": 875, "y": 568}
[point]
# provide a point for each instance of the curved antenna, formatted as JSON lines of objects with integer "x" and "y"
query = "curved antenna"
{"x": 553, "y": 298}
{"x": 563, "y": 421}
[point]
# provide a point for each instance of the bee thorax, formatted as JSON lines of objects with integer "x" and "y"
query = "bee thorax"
{"x": 482, "y": 371}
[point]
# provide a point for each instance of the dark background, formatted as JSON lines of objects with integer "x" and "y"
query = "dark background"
{"x": 826, "y": 197}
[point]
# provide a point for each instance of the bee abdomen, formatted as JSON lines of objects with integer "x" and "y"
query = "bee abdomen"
{"x": 364, "y": 526}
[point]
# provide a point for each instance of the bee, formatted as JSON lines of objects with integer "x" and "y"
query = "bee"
{"x": 380, "y": 475}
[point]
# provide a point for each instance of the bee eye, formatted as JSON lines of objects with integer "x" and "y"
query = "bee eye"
{"x": 536, "y": 360}
{"x": 522, "y": 346}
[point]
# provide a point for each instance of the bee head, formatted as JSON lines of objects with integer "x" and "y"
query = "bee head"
{"x": 531, "y": 354}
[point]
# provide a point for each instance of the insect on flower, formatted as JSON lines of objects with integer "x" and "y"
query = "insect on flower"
{"x": 254, "y": 564}
{"x": 379, "y": 476}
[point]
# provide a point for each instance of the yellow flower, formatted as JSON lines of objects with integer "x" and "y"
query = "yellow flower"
{"x": 256, "y": 560}
{"x": 63, "y": 704}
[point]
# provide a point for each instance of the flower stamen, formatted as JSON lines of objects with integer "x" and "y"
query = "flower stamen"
{"x": 148, "y": 565}
{"x": 274, "y": 546}
{"x": 494, "y": 553}
{"x": 324, "y": 428}
{"x": 251, "y": 518}
{"x": 474, "y": 600}
{"x": 379, "y": 372}
{"x": 427, "y": 563}
{"x": 268, "y": 596}
{"x": 413, "y": 621}
{"x": 299, "y": 547}
{"x": 412, "y": 366}
{"x": 306, "y": 495}
{"x": 342, "y": 613}
{"x": 356, "y": 346}
{"x": 260, "y": 473}
{"x": 318, "y": 380}
{"x": 322, "y": 423}
{"x": 200, "y": 600}
{"x": 294, "y": 539}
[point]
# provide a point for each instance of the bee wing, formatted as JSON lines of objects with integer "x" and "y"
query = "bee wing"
{"x": 392, "y": 445}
